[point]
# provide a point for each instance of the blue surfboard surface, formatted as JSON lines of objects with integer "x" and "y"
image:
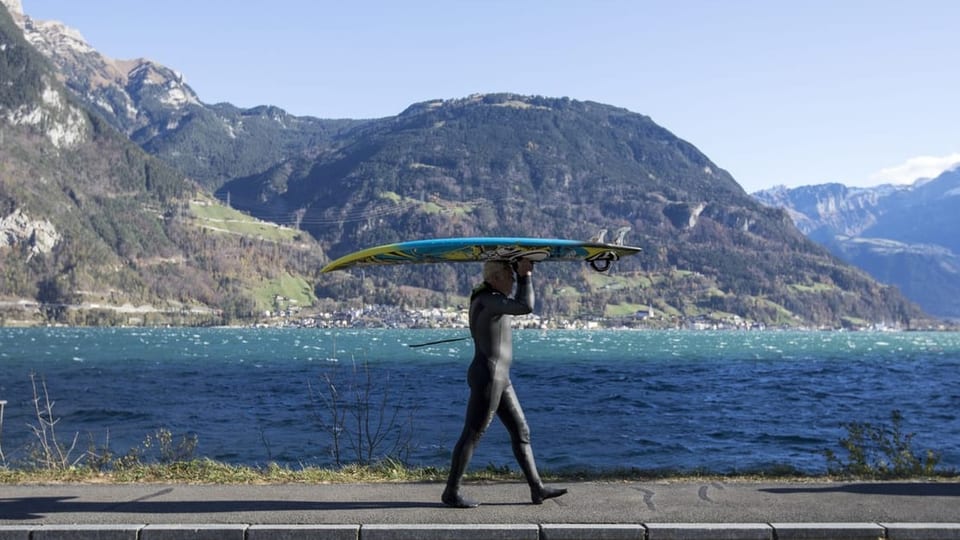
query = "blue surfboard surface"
{"x": 477, "y": 249}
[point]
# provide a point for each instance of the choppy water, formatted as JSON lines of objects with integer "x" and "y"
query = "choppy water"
{"x": 718, "y": 401}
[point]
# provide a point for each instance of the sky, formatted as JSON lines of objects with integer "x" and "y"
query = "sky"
{"x": 775, "y": 92}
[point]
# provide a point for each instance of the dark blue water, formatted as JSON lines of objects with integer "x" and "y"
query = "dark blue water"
{"x": 715, "y": 401}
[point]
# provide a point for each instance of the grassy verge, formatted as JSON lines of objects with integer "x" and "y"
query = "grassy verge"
{"x": 205, "y": 471}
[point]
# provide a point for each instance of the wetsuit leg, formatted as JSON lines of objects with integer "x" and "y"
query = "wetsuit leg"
{"x": 512, "y": 417}
{"x": 481, "y": 406}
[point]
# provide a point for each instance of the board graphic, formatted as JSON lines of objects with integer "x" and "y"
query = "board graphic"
{"x": 447, "y": 250}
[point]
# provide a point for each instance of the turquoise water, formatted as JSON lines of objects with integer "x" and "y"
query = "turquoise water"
{"x": 717, "y": 401}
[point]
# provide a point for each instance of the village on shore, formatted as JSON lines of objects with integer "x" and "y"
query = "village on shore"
{"x": 385, "y": 316}
{"x": 290, "y": 315}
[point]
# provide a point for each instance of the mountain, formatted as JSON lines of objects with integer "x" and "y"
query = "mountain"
{"x": 902, "y": 235}
{"x": 157, "y": 109}
{"x": 824, "y": 211}
{"x": 504, "y": 164}
{"x": 484, "y": 165}
{"x": 926, "y": 213}
{"x": 93, "y": 230}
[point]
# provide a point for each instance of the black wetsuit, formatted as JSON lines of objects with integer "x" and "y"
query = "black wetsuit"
{"x": 491, "y": 391}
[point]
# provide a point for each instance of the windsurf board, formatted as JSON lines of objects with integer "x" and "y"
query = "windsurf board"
{"x": 473, "y": 249}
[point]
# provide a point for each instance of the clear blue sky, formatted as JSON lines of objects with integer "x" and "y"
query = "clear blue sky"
{"x": 775, "y": 92}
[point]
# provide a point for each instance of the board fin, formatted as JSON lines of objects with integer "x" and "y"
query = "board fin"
{"x": 599, "y": 237}
{"x": 621, "y": 236}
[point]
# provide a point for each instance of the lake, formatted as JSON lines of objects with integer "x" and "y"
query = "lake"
{"x": 721, "y": 402}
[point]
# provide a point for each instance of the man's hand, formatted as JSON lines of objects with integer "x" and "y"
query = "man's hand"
{"x": 524, "y": 267}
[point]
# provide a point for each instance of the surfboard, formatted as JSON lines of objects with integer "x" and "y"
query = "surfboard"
{"x": 473, "y": 249}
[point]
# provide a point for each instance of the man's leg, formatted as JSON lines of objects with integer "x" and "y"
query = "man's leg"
{"x": 462, "y": 453}
{"x": 512, "y": 417}
{"x": 480, "y": 412}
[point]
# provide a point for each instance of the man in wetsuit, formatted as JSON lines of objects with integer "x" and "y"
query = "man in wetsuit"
{"x": 489, "y": 378}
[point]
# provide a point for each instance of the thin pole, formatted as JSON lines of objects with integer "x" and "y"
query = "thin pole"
{"x": 437, "y": 342}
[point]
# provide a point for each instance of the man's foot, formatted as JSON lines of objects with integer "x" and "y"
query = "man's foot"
{"x": 538, "y": 495}
{"x": 454, "y": 500}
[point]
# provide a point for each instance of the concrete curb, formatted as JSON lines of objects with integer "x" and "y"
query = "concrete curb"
{"x": 527, "y": 531}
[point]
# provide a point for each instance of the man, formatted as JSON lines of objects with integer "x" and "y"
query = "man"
{"x": 489, "y": 378}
